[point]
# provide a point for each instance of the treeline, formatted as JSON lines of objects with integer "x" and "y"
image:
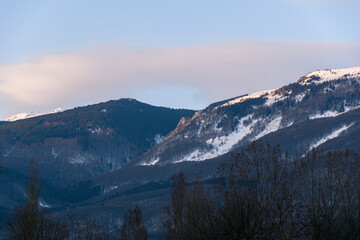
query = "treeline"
{"x": 262, "y": 194}
{"x": 30, "y": 223}
{"x": 259, "y": 194}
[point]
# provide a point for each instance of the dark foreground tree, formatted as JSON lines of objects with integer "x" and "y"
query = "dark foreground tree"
{"x": 330, "y": 195}
{"x": 28, "y": 222}
{"x": 261, "y": 194}
{"x": 255, "y": 195}
{"x": 133, "y": 228}
{"x": 190, "y": 213}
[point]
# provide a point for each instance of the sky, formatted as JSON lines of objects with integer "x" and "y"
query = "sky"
{"x": 180, "y": 54}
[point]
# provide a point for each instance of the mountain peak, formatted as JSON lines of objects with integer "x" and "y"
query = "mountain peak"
{"x": 20, "y": 116}
{"x": 321, "y": 76}
{"x": 232, "y": 124}
{"x": 30, "y": 114}
{"x": 56, "y": 110}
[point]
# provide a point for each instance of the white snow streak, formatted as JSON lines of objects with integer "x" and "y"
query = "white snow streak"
{"x": 223, "y": 144}
{"x": 272, "y": 126}
{"x": 330, "y": 136}
{"x": 151, "y": 163}
{"x": 43, "y": 204}
{"x": 300, "y": 97}
{"x": 251, "y": 96}
{"x": 331, "y": 113}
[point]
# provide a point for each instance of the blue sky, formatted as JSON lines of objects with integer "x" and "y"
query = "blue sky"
{"x": 37, "y": 34}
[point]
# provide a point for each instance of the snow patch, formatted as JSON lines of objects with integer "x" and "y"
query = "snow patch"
{"x": 22, "y": 116}
{"x": 272, "y": 126}
{"x": 113, "y": 188}
{"x": 98, "y": 130}
{"x": 109, "y": 189}
{"x": 200, "y": 128}
{"x": 322, "y": 76}
{"x": 77, "y": 159}
{"x": 57, "y": 110}
{"x": 54, "y": 154}
{"x": 158, "y": 138}
{"x": 30, "y": 114}
{"x": 223, "y": 144}
{"x": 43, "y": 204}
{"x": 298, "y": 98}
{"x": 274, "y": 98}
{"x": 151, "y": 163}
{"x": 247, "y": 97}
{"x": 331, "y": 113}
{"x": 271, "y": 96}
{"x": 330, "y": 136}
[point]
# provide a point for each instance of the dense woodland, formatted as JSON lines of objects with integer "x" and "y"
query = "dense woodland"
{"x": 259, "y": 194}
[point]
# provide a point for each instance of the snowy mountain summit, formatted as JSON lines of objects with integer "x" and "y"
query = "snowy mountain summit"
{"x": 20, "y": 116}
{"x": 322, "y": 76}
{"x": 30, "y": 114}
{"x": 57, "y": 110}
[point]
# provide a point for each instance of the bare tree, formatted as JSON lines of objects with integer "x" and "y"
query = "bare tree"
{"x": 261, "y": 194}
{"x": 190, "y": 213}
{"x": 133, "y": 228}
{"x": 255, "y": 195}
{"x": 330, "y": 195}
{"x": 174, "y": 213}
{"x": 28, "y": 223}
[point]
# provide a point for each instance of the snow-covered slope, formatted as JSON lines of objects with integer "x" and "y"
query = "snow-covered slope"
{"x": 322, "y": 76}
{"x": 30, "y": 114}
{"x": 221, "y": 128}
{"x": 20, "y": 116}
{"x": 57, "y": 110}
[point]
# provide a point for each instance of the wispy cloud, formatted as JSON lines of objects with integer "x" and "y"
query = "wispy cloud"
{"x": 218, "y": 71}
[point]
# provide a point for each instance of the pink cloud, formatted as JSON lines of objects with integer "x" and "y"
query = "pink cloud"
{"x": 217, "y": 71}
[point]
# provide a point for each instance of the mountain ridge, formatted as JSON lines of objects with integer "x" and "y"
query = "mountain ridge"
{"x": 102, "y": 136}
{"x": 79, "y": 145}
{"x": 31, "y": 114}
{"x": 319, "y": 94}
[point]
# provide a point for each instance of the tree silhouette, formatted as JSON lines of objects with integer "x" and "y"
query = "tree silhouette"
{"x": 28, "y": 223}
{"x": 133, "y": 228}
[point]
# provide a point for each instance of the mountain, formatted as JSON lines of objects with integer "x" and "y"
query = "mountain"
{"x": 320, "y": 107}
{"x": 73, "y": 146}
{"x": 102, "y": 159}
{"x": 77, "y": 144}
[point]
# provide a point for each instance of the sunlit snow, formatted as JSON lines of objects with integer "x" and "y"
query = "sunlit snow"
{"x": 30, "y": 114}
{"x": 21, "y": 116}
{"x": 223, "y": 144}
{"x": 331, "y": 113}
{"x": 272, "y": 126}
{"x": 330, "y": 75}
{"x": 251, "y": 96}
